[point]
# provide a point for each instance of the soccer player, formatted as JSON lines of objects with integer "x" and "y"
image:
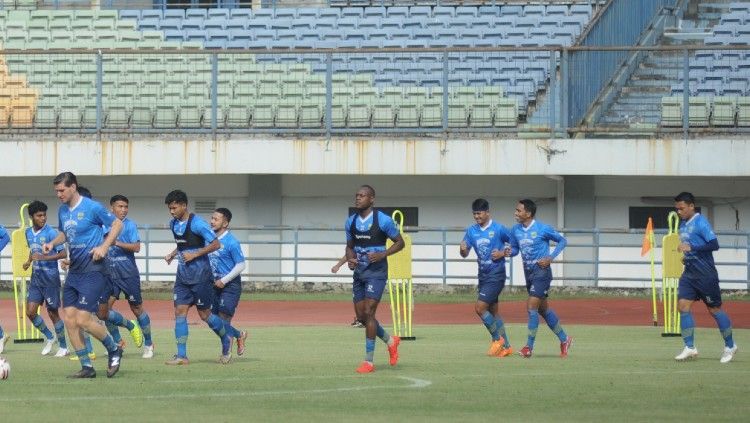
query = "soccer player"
{"x": 45, "y": 279}
{"x": 488, "y": 239}
{"x": 366, "y": 234}
{"x": 4, "y": 240}
{"x": 700, "y": 279}
{"x": 81, "y": 221}
{"x": 227, "y": 263}
{"x": 335, "y": 269}
{"x": 532, "y": 238}
{"x": 125, "y": 278}
{"x": 194, "y": 281}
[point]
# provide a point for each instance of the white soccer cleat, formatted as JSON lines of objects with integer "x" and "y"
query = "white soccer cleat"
{"x": 728, "y": 354}
{"x": 48, "y": 346}
{"x": 687, "y": 354}
{"x": 3, "y": 340}
{"x": 61, "y": 352}
{"x": 148, "y": 351}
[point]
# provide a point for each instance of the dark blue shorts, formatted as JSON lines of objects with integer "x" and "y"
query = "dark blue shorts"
{"x": 130, "y": 287}
{"x": 47, "y": 294}
{"x": 538, "y": 280}
{"x": 368, "y": 288}
{"x": 83, "y": 290}
{"x": 227, "y": 298}
{"x": 201, "y": 295}
{"x": 490, "y": 288}
{"x": 704, "y": 289}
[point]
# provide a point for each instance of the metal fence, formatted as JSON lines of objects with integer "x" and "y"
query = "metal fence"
{"x": 593, "y": 258}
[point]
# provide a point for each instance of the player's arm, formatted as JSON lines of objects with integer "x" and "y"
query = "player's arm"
{"x": 100, "y": 251}
{"x": 338, "y": 264}
{"x": 560, "y": 241}
{"x": 4, "y": 238}
{"x": 59, "y": 239}
{"x": 710, "y": 242}
{"x": 464, "y": 247}
{"x": 129, "y": 240}
{"x": 504, "y": 239}
{"x": 514, "y": 247}
{"x": 398, "y": 245}
{"x": 169, "y": 257}
{"x": 28, "y": 261}
{"x": 58, "y": 256}
{"x": 207, "y": 249}
{"x": 351, "y": 257}
{"x": 239, "y": 267}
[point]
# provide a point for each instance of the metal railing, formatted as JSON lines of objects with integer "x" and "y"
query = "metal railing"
{"x": 593, "y": 257}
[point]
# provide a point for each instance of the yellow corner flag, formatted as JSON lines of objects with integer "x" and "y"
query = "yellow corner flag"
{"x": 648, "y": 238}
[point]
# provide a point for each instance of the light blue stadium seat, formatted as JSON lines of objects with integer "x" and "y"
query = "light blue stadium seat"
{"x": 151, "y": 14}
{"x": 534, "y": 10}
{"x": 149, "y": 24}
{"x": 581, "y": 9}
{"x": 369, "y": 23}
{"x": 174, "y": 35}
{"x": 174, "y": 14}
{"x": 443, "y": 11}
{"x": 400, "y": 12}
{"x": 488, "y": 11}
{"x": 351, "y": 12}
{"x": 196, "y": 13}
{"x": 285, "y": 13}
{"x": 374, "y": 12}
{"x": 511, "y": 10}
{"x": 241, "y": 13}
{"x": 347, "y": 24}
{"x": 218, "y": 13}
{"x": 192, "y": 24}
{"x": 329, "y": 13}
{"x": 420, "y": 12}
{"x": 390, "y": 23}
{"x": 130, "y": 14}
{"x": 214, "y": 23}
{"x": 557, "y": 10}
{"x": 307, "y": 12}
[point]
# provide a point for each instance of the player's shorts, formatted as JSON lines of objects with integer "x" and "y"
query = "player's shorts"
{"x": 538, "y": 280}
{"x": 83, "y": 290}
{"x": 107, "y": 291}
{"x": 47, "y": 294}
{"x": 129, "y": 287}
{"x": 704, "y": 289}
{"x": 367, "y": 288}
{"x": 490, "y": 287}
{"x": 226, "y": 299}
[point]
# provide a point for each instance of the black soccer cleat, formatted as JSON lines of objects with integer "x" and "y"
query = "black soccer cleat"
{"x": 113, "y": 366}
{"x": 85, "y": 373}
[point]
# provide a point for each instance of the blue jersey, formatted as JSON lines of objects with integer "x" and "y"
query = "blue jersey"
{"x": 533, "y": 242}
{"x": 122, "y": 262}
{"x": 485, "y": 240}
{"x": 697, "y": 232}
{"x": 199, "y": 227}
{"x": 4, "y": 237}
{"x": 225, "y": 258}
{"x": 365, "y": 242}
{"x": 83, "y": 226}
{"x": 45, "y": 269}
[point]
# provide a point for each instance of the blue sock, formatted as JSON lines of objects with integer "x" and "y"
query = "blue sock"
{"x": 217, "y": 325}
{"x": 113, "y": 331}
{"x": 687, "y": 327}
{"x": 109, "y": 343}
{"x": 533, "y": 326}
{"x": 87, "y": 343}
{"x": 83, "y": 357}
{"x": 119, "y": 320}
{"x": 38, "y": 323}
{"x": 181, "y": 335}
{"x": 491, "y": 325}
{"x": 145, "y": 323}
{"x": 501, "y": 331}
{"x": 369, "y": 349}
{"x": 382, "y": 334}
{"x": 231, "y": 330}
{"x": 725, "y": 327}
{"x": 554, "y": 324}
{"x": 60, "y": 332}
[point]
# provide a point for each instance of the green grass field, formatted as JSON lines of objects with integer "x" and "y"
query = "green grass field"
{"x": 613, "y": 374}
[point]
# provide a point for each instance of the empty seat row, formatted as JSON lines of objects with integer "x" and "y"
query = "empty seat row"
{"x": 706, "y": 111}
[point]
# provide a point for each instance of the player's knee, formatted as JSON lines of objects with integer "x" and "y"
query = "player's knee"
{"x": 31, "y": 313}
{"x": 137, "y": 309}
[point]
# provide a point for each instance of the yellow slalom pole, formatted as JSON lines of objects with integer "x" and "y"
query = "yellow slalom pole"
{"x": 23, "y": 306}
{"x": 411, "y": 307}
{"x": 398, "y": 305}
{"x": 404, "y": 301}
{"x": 15, "y": 297}
{"x": 654, "y": 313}
{"x": 393, "y": 309}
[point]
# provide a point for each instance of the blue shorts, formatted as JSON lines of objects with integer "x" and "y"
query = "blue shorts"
{"x": 368, "y": 288}
{"x": 107, "y": 291}
{"x": 130, "y": 287}
{"x": 201, "y": 295}
{"x": 47, "y": 294}
{"x": 226, "y": 299}
{"x": 538, "y": 280}
{"x": 704, "y": 289}
{"x": 490, "y": 287}
{"x": 83, "y": 290}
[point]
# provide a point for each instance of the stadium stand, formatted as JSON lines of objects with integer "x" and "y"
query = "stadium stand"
{"x": 168, "y": 91}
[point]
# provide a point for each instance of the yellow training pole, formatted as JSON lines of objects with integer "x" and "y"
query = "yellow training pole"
{"x": 393, "y": 309}
{"x": 411, "y": 307}
{"x": 19, "y": 316}
{"x": 672, "y": 268}
{"x": 653, "y": 288}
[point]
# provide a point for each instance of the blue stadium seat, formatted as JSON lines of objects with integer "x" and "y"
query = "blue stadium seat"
{"x": 196, "y": 13}
{"x": 443, "y": 11}
{"x": 307, "y": 13}
{"x": 351, "y": 12}
{"x": 130, "y": 14}
{"x": 420, "y": 12}
{"x": 399, "y": 12}
{"x": 374, "y": 12}
{"x": 241, "y": 13}
{"x": 285, "y": 13}
{"x": 214, "y": 23}
{"x": 218, "y": 13}
{"x": 488, "y": 11}
{"x": 511, "y": 10}
{"x": 174, "y": 14}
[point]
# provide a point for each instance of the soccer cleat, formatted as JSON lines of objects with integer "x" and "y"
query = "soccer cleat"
{"x": 357, "y": 324}
{"x": 225, "y": 359}
{"x": 687, "y": 354}
{"x": 3, "y": 340}
{"x": 148, "y": 351}
{"x": 73, "y": 357}
{"x": 178, "y": 361}
{"x": 366, "y": 367}
{"x": 728, "y": 354}
{"x": 495, "y": 347}
{"x": 505, "y": 352}
{"x": 48, "y": 346}
{"x": 113, "y": 365}
{"x": 137, "y": 334}
{"x": 525, "y": 352}
{"x": 85, "y": 373}
{"x": 565, "y": 346}
{"x": 61, "y": 352}
{"x": 393, "y": 350}
{"x": 241, "y": 342}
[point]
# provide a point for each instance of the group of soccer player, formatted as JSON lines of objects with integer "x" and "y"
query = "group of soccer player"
{"x": 99, "y": 258}
{"x": 97, "y": 246}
